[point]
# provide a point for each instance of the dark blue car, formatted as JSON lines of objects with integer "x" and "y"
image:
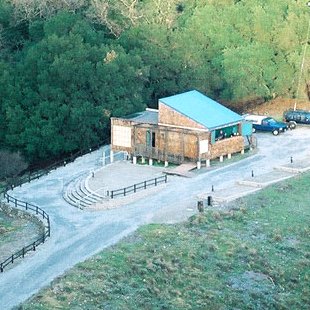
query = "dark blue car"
{"x": 297, "y": 116}
{"x": 265, "y": 123}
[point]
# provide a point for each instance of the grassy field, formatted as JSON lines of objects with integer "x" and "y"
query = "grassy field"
{"x": 254, "y": 255}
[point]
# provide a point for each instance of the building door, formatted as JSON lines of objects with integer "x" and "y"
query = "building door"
{"x": 150, "y": 138}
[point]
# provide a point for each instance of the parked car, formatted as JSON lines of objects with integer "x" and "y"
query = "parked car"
{"x": 265, "y": 123}
{"x": 297, "y": 116}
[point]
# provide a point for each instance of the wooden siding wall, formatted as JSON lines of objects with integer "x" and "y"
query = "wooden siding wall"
{"x": 227, "y": 146}
{"x": 172, "y": 140}
{"x": 168, "y": 116}
{"x": 177, "y": 141}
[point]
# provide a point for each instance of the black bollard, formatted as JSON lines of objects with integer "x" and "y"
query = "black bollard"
{"x": 209, "y": 200}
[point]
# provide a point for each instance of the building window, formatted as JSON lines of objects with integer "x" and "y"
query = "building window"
{"x": 226, "y": 132}
{"x": 148, "y": 138}
{"x": 153, "y": 139}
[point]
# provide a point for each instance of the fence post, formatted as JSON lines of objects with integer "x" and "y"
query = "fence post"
{"x": 124, "y": 191}
{"x": 12, "y": 259}
{"x": 49, "y": 227}
{"x": 36, "y": 210}
{"x": 1, "y": 268}
{"x": 26, "y": 206}
{"x": 144, "y": 184}
{"x": 34, "y": 246}
{"x": 112, "y": 192}
{"x": 134, "y": 188}
{"x": 23, "y": 252}
{"x": 155, "y": 181}
{"x": 166, "y": 178}
{"x": 15, "y": 203}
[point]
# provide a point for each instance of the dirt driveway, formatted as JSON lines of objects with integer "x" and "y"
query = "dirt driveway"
{"x": 77, "y": 235}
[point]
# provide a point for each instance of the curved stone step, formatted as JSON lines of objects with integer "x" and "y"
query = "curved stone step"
{"x": 88, "y": 194}
{"x": 70, "y": 195}
{"x": 71, "y": 200}
{"x": 78, "y": 195}
{"x": 79, "y": 200}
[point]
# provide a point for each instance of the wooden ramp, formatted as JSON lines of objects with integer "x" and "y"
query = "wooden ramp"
{"x": 183, "y": 170}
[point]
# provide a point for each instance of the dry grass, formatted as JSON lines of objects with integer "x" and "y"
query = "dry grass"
{"x": 254, "y": 257}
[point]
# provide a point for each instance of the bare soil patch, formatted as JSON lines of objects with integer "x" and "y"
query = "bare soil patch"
{"x": 17, "y": 229}
{"x": 276, "y": 107}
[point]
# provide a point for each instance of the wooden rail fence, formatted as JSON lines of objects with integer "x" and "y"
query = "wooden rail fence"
{"x": 19, "y": 204}
{"x": 27, "y": 177}
{"x": 134, "y": 188}
{"x": 33, "y": 175}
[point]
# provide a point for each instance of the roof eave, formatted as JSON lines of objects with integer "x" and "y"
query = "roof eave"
{"x": 225, "y": 125}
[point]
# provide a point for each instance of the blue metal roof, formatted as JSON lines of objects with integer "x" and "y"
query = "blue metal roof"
{"x": 202, "y": 109}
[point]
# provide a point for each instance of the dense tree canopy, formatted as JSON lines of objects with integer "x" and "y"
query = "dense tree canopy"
{"x": 65, "y": 86}
{"x": 67, "y": 66}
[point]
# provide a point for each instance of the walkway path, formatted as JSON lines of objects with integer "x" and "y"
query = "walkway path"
{"x": 77, "y": 235}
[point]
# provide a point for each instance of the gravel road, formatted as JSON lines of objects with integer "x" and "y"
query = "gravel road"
{"x": 76, "y": 235}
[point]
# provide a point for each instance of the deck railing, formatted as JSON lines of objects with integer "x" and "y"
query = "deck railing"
{"x": 156, "y": 153}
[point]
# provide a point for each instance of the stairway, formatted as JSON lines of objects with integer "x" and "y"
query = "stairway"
{"x": 78, "y": 195}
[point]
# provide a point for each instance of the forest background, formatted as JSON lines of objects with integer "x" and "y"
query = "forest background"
{"x": 67, "y": 66}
